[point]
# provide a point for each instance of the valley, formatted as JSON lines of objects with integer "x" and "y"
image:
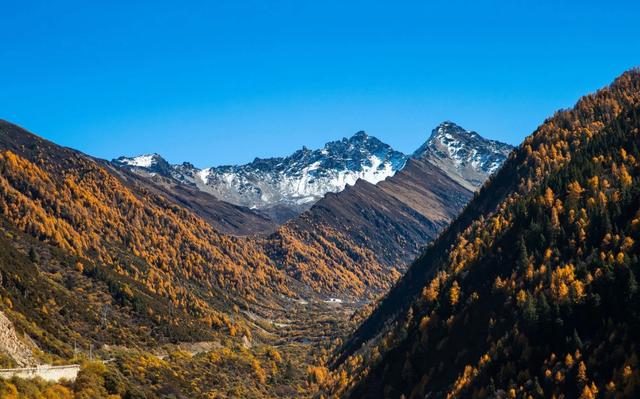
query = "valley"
{"x": 122, "y": 268}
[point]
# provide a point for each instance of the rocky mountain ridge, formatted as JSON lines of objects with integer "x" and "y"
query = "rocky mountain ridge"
{"x": 284, "y": 187}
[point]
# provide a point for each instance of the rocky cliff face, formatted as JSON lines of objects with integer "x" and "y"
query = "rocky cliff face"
{"x": 12, "y": 345}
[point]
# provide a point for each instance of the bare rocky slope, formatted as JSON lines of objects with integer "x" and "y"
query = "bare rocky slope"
{"x": 12, "y": 345}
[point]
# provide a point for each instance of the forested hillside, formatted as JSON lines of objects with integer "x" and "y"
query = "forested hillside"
{"x": 532, "y": 292}
{"x": 65, "y": 199}
{"x": 91, "y": 266}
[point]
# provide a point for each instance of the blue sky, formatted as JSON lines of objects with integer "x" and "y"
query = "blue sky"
{"x": 218, "y": 82}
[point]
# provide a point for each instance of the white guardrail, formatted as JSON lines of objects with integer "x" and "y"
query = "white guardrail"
{"x": 46, "y": 372}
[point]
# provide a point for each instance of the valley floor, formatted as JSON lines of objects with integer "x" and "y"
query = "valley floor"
{"x": 284, "y": 357}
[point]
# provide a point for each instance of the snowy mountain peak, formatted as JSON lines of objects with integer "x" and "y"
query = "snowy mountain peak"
{"x": 299, "y": 180}
{"x": 150, "y": 163}
{"x": 285, "y": 185}
{"x": 141, "y": 161}
{"x": 361, "y": 135}
{"x": 448, "y": 127}
{"x": 464, "y": 154}
{"x": 448, "y": 131}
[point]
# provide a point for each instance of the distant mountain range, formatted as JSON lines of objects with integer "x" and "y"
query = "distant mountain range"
{"x": 286, "y": 186}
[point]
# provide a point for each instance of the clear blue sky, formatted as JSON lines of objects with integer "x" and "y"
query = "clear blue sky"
{"x": 218, "y": 82}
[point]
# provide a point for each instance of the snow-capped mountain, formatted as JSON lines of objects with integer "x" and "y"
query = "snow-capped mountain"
{"x": 465, "y": 155}
{"x": 151, "y": 163}
{"x": 287, "y": 185}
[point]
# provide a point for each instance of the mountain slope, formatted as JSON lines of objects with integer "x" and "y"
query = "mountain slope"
{"x": 93, "y": 256}
{"x": 226, "y": 218}
{"x": 367, "y": 233}
{"x": 91, "y": 209}
{"x": 67, "y": 200}
{"x": 531, "y": 292}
